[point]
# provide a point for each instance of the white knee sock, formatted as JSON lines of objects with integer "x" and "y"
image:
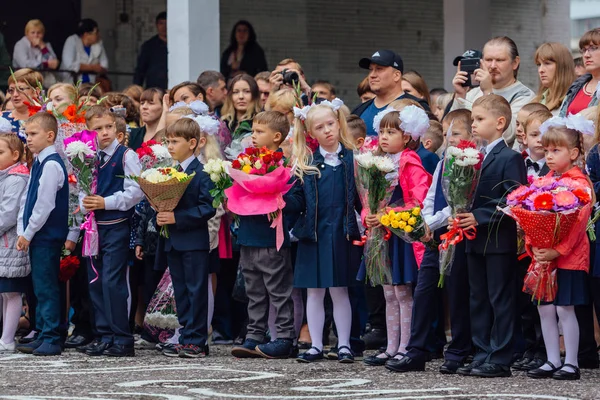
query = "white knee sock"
{"x": 315, "y": 314}
{"x": 405, "y": 300}
{"x": 12, "y": 305}
{"x": 550, "y": 334}
{"x": 570, "y": 327}
{"x": 342, "y": 315}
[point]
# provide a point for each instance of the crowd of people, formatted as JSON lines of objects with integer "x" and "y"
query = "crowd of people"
{"x": 222, "y": 279}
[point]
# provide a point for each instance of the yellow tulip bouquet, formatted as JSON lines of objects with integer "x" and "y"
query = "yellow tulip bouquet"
{"x": 407, "y": 224}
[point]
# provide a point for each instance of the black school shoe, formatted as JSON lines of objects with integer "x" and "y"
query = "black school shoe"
{"x": 77, "y": 341}
{"x": 520, "y": 363}
{"x": 489, "y": 370}
{"x": 307, "y": 357}
{"x": 120, "y": 350}
{"x": 535, "y": 363}
{"x": 405, "y": 364}
{"x": 466, "y": 370}
{"x": 345, "y": 357}
{"x": 275, "y": 349}
{"x": 375, "y": 361}
{"x": 449, "y": 367}
{"x": 98, "y": 349}
{"x": 539, "y": 373}
{"x": 563, "y": 375}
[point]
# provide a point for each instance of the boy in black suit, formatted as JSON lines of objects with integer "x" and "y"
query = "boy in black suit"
{"x": 529, "y": 341}
{"x": 491, "y": 260}
{"x": 188, "y": 244}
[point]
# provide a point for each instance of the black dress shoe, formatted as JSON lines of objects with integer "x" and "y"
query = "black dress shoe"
{"x": 307, "y": 357}
{"x": 466, "y": 370}
{"x": 405, "y": 364}
{"x": 375, "y": 361}
{"x": 450, "y": 367}
{"x": 120, "y": 350}
{"x": 91, "y": 345}
{"x": 25, "y": 340}
{"x": 535, "y": 363}
{"x": 98, "y": 349}
{"x": 489, "y": 370}
{"x": 518, "y": 365}
{"x": 539, "y": 373}
{"x": 563, "y": 375}
{"x": 77, "y": 341}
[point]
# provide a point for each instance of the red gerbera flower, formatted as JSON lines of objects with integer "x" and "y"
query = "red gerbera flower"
{"x": 543, "y": 201}
{"x": 582, "y": 195}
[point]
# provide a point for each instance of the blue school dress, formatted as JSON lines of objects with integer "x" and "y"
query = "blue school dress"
{"x": 332, "y": 260}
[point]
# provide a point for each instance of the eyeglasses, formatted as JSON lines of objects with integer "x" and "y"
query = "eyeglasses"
{"x": 12, "y": 91}
{"x": 591, "y": 49}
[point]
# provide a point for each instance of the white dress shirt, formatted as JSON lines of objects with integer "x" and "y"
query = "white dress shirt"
{"x": 51, "y": 181}
{"x": 439, "y": 219}
{"x": 186, "y": 163}
{"x": 331, "y": 159}
{"x": 131, "y": 194}
{"x": 531, "y": 169}
{"x": 490, "y": 147}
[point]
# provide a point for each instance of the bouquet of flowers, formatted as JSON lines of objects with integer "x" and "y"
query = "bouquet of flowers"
{"x": 163, "y": 188}
{"x": 80, "y": 150}
{"x": 407, "y": 224}
{"x": 460, "y": 176}
{"x": 161, "y": 315}
{"x": 260, "y": 179}
{"x": 376, "y": 177}
{"x": 217, "y": 169}
{"x": 547, "y": 210}
{"x": 154, "y": 155}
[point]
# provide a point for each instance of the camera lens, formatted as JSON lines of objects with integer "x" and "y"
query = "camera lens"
{"x": 290, "y": 77}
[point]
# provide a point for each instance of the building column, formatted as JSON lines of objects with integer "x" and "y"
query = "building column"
{"x": 193, "y": 38}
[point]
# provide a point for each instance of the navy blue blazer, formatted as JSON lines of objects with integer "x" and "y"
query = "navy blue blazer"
{"x": 502, "y": 171}
{"x": 428, "y": 159}
{"x": 190, "y": 231}
{"x": 302, "y": 199}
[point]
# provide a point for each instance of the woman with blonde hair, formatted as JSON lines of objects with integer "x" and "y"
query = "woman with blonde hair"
{"x": 241, "y": 105}
{"x": 414, "y": 84}
{"x": 62, "y": 95}
{"x": 556, "y": 70}
{"x": 32, "y": 52}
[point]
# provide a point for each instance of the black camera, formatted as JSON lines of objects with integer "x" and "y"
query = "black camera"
{"x": 290, "y": 77}
{"x": 469, "y": 65}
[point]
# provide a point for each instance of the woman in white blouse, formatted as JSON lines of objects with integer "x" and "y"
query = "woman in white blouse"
{"x": 84, "y": 53}
{"x": 32, "y": 52}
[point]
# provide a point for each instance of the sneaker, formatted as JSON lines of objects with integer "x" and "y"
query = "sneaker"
{"x": 172, "y": 350}
{"x": 278, "y": 348}
{"x": 217, "y": 338}
{"x": 246, "y": 350}
{"x": 7, "y": 347}
{"x": 192, "y": 351}
{"x": 143, "y": 344}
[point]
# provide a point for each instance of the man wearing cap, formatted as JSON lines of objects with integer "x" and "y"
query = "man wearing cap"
{"x": 385, "y": 79}
{"x": 498, "y": 75}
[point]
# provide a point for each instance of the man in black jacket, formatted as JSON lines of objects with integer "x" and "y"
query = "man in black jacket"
{"x": 385, "y": 78}
{"x": 151, "y": 68}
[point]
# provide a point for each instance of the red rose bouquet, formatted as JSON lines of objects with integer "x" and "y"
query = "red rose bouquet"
{"x": 260, "y": 179}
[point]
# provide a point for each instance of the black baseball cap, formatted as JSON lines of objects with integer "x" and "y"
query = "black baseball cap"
{"x": 385, "y": 58}
{"x": 468, "y": 54}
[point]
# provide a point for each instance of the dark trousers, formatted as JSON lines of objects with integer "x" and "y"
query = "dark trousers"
{"x": 426, "y": 304}
{"x": 268, "y": 277}
{"x": 189, "y": 274}
{"x": 528, "y": 329}
{"x": 493, "y": 305}
{"x": 375, "y": 306}
{"x": 45, "y": 267}
{"x": 79, "y": 292}
{"x": 230, "y": 315}
{"x": 110, "y": 292}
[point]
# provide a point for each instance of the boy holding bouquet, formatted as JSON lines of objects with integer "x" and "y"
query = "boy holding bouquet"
{"x": 187, "y": 245}
{"x": 268, "y": 273}
{"x": 43, "y": 228}
{"x": 491, "y": 259}
{"x": 113, "y": 205}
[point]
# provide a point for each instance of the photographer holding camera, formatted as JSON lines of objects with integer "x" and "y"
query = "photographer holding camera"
{"x": 288, "y": 72}
{"x": 497, "y": 74}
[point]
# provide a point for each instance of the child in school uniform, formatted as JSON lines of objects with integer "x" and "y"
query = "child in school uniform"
{"x": 43, "y": 229}
{"x": 564, "y": 150}
{"x": 187, "y": 247}
{"x": 14, "y": 264}
{"x": 113, "y": 205}
{"x": 529, "y": 341}
{"x": 267, "y": 272}
{"x": 491, "y": 258}
{"x": 426, "y": 296}
{"x": 326, "y": 197}
{"x": 399, "y": 137}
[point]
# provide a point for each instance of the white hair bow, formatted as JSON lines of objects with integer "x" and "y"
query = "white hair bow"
{"x": 576, "y": 122}
{"x": 414, "y": 121}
